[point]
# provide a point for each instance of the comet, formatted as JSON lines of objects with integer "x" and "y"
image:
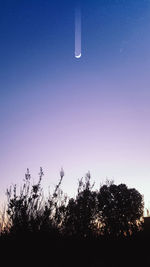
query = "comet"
{"x": 78, "y": 32}
{"x": 78, "y": 56}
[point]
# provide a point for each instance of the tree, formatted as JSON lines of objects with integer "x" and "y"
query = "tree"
{"x": 81, "y": 212}
{"x": 121, "y": 209}
{"x": 113, "y": 210}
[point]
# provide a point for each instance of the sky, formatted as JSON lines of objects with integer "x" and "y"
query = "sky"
{"x": 91, "y": 113}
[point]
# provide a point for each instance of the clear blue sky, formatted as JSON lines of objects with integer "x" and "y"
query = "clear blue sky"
{"x": 87, "y": 114}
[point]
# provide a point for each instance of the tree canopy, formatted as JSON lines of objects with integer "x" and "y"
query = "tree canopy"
{"x": 121, "y": 209}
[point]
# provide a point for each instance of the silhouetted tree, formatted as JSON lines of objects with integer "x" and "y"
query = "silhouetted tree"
{"x": 121, "y": 209}
{"x": 81, "y": 212}
{"x": 113, "y": 210}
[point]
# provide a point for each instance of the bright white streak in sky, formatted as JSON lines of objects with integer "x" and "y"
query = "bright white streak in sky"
{"x": 78, "y": 32}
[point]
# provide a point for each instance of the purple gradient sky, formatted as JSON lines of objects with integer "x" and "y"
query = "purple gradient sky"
{"x": 88, "y": 114}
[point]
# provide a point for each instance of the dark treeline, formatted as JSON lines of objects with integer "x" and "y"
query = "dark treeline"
{"x": 96, "y": 228}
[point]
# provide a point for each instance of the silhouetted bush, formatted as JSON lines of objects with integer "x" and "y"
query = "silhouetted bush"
{"x": 28, "y": 212}
{"x": 113, "y": 210}
{"x": 95, "y": 228}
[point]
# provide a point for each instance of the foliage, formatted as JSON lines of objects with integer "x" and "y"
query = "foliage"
{"x": 28, "y": 211}
{"x": 121, "y": 209}
{"x": 113, "y": 210}
{"x": 81, "y": 212}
